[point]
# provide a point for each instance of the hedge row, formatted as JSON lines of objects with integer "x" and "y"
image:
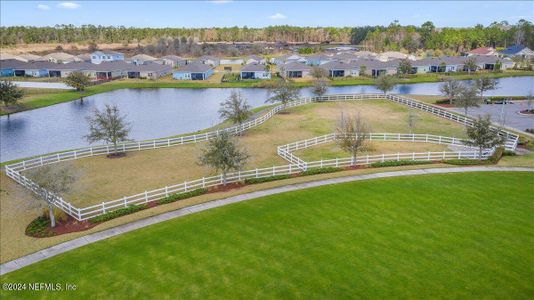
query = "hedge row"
{"x": 323, "y": 170}
{"x": 266, "y": 179}
{"x": 396, "y": 163}
{"x": 181, "y": 196}
{"x": 118, "y": 213}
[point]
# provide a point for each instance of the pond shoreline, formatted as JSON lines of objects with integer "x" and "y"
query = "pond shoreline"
{"x": 70, "y": 95}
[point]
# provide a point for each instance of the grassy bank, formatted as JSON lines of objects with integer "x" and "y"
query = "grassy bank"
{"x": 382, "y": 238}
{"x": 33, "y": 101}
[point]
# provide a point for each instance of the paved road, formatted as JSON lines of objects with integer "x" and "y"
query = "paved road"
{"x": 508, "y": 111}
{"x": 98, "y": 236}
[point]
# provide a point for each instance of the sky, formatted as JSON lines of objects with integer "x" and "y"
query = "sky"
{"x": 227, "y": 13}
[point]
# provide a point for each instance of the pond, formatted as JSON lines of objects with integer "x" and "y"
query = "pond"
{"x": 155, "y": 113}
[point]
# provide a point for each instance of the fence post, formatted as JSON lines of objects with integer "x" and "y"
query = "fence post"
{"x": 413, "y": 155}
{"x": 91, "y": 151}
{"x": 274, "y": 171}
{"x": 146, "y": 197}
{"x": 185, "y": 186}
{"x": 459, "y": 154}
{"x": 139, "y": 145}
{"x": 203, "y": 182}
{"x": 154, "y": 144}
{"x": 337, "y": 162}
{"x": 443, "y": 155}
{"x": 57, "y": 156}
{"x": 321, "y": 162}
{"x": 289, "y": 168}
{"x": 103, "y": 207}
{"x": 166, "y": 191}
{"x": 428, "y": 156}
{"x": 398, "y": 156}
{"x": 256, "y": 172}
{"x": 107, "y": 151}
{"x": 125, "y": 202}
{"x": 383, "y": 157}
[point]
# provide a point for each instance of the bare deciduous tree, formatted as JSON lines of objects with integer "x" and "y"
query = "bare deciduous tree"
{"x": 352, "y": 135}
{"x": 451, "y": 88}
{"x": 320, "y": 86}
{"x": 53, "y": 180}
{"x": 235, "y": 108}
{"x": 108, "y": 126}
{"x": 482, "y": 136}
{"x": 223, "y": 154}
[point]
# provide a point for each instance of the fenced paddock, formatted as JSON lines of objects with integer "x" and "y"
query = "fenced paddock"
{"x": 296, "y": 165}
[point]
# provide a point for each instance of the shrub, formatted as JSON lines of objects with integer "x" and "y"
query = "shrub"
{"x": 509, "y": 153}
{"x": 181, "y": 196}
{"x": 496, "y": 156}
{"x": 323, "y": 170}
{"x": 466, "y": 162}
{"x": 118, "y": 213}
{"x": 39, "y": 227}
{"x": 266, "y": 179}
{"x": 396, "y": 163}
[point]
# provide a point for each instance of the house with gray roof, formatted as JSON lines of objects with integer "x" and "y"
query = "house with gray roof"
{"x": 101, "y": 56}
{"x": 255, "y": 71}
{"x": 209, "y": 60}
{"x": 341, "y": 69}
{"x": 140, "y": 59}
{"x": 60, "y": 57}
{"x": 193, "y": 71}
{"x": 518, "y": 51}
{"x": 173, "y": 61}
{"x": 318, "y": 59}
{"x": 148, "y": 71}
{"x": 294, "y": 70}
{"x": 287, "y": 59}
{"x": 251, "y": 59}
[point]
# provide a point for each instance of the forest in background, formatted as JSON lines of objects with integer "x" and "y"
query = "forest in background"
{"x": 397, "y": 37}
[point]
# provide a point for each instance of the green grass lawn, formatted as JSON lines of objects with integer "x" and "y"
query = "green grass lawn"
{"x": 432, "y": 236}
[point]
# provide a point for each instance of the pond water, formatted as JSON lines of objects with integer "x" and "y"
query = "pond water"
{"x": 156, "y": 113}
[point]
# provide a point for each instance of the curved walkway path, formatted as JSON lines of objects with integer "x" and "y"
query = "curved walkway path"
{"x": 97, "y": 236}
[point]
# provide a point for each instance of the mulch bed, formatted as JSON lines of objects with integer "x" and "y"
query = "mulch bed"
{"x": 227, "y": 187}
{"x": 116, "y": 155}
{"x": 68, "y": 226}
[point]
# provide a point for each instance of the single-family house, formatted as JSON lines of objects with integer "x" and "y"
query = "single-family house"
{"x": 318, "y": 59}
{"x": 35, "y": 69}
{"x": 518, "y": 51}
{"x": 140, "y": 59}
{"x": 193, "y": 71}
{"x": 209, "y": 60}
{"x": 255, "y": 71}
{"x": 341, "y": 69}
{"x": 173, "y": 61}
{"x": 287, "y": 59}
{"x": 107, "y": 70}
{"x": 8, "y": 66}
{"x": 255, "y": 59}
{"x": 490, "y": 62}
{"x": 149, "y": 70}
{"x": 101, "y": 56}
{"x": 482, "y": 51}
{"x": 231, "y": 61}
{"x": 294, "y": 70}
{"x": 374, "y": 68}
{"x": 60, "y": 58}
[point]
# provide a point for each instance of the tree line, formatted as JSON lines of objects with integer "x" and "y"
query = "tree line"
{"x": 375, "y": 38}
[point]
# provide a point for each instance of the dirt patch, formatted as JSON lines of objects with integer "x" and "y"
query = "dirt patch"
{"x": 116, "y": 155}
{"x": 227, "y": 187}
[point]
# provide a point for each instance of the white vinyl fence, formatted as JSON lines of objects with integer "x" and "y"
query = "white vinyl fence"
{"x": 296, "y": 164}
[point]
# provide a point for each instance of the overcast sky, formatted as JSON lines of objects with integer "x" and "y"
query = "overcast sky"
{"x": 225, "y": 13}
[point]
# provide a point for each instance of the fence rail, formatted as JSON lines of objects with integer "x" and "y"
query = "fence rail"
{"x": 295, "y": 165}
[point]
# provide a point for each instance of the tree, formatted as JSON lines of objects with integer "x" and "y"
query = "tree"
{"x": 451, "y": 88}
{"x": 352, "y": 135}
{"x": 405, "y": 67}
{"x": 485, "y": 83}
{"x": 223, "y": 154}
{"x": 385, "y": 83}
{"x": 467, "y": 98}
{"x": 77, "y": 80}
{"x": 10, "y": 93}
{"x": 482, "y": 135}
{"x": 235, "y": 108}
{"x": 320, "y": 86}
{"x": 108, "y": 126}
{"x": 52, "y": 181}
{"x": 283, "y": 92}
{"x": 318, "y": 72}
{"x": 471, "y": 64}
{"x": 412, "y": 120}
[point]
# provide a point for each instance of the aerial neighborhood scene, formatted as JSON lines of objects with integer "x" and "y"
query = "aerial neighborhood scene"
{"x": 233, "y": 149}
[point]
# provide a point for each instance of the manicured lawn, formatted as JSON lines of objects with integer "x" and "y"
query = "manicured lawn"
{"x": 102, "y": 179}
{"x": 432, "y": 236}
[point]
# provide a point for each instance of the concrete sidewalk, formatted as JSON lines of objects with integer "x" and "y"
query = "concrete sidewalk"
{"x": 97, "y": 236}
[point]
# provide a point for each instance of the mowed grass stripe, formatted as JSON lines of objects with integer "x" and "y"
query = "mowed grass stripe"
{"x": 451, "y": 235}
